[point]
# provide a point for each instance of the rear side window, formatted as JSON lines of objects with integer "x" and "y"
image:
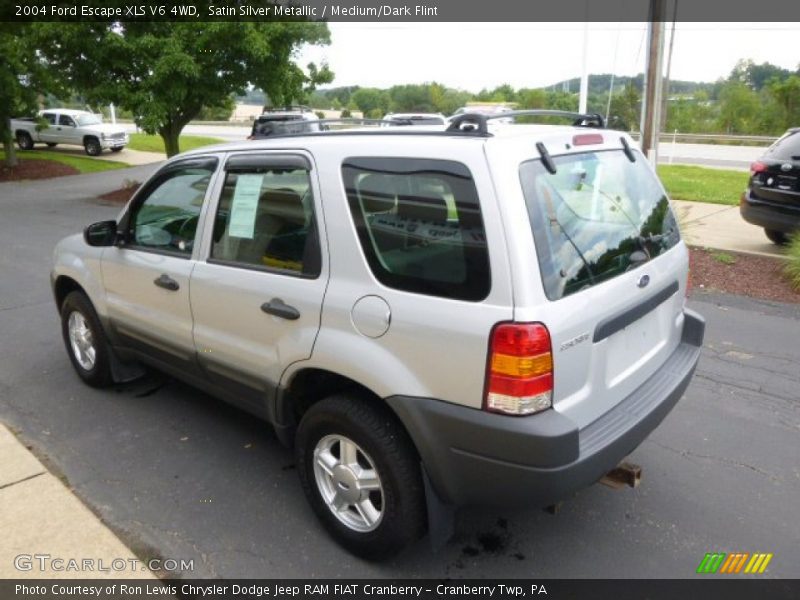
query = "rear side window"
{"x": 420, "y": 225}
{"x": 596, "y": 217}
{"x": 265, "y": 219}
{"x": 786, "y": 148}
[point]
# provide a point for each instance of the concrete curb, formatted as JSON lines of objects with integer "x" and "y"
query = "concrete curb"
{"x": 47, "y": 532}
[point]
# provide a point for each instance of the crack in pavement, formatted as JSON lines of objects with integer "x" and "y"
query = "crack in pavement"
{"x": 24, "y": 479}
{"x": 728, "y": 461}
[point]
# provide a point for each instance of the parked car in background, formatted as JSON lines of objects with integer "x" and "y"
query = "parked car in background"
{"x": 280, "y": 121}
{"x": 415, "y": 119}
{"x": 71, "y": 127}
{"x": 772, "y": 198}
{"x": 485, "y": 109}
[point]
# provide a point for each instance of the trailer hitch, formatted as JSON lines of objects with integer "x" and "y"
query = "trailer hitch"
{"x": 623, "y": 474}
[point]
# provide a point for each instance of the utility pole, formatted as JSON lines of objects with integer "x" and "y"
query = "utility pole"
{"x": 665, "y": 100}
{"x": 651, "y": 102}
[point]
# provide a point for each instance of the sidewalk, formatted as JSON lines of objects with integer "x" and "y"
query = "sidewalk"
{"x": 721, "y": 227}
{"x": 39, "y": 515}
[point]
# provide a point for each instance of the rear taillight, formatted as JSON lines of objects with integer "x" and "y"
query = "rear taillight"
{"x": 757, "y": 167}
{"x": 519, "y": 373}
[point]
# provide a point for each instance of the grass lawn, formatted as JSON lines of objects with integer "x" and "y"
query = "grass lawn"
{"x": 154, "y": 143}
{"x": 701, "y": 184}
{"x": 81, "y": 163}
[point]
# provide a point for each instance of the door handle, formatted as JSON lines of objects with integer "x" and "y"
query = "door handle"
{"x": 167, "y": 282}
{"x": 277, "y": 307}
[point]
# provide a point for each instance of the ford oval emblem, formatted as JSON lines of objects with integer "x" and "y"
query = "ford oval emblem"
{"x": 786, "y": 167}
{"x": 643, "y": 281}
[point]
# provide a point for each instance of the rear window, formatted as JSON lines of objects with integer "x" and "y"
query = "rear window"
{"x": 596, "y": 217}
{"x": 283, "y": 125}
{"x": 419, "y": 224}
{"x": 786, "y": 148}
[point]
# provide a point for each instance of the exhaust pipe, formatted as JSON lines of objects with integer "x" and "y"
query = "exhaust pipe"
{"x": 623, "y": 474}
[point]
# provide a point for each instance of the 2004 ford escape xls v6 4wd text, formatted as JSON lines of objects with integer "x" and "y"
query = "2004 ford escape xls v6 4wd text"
{"x": 487, "y": 314}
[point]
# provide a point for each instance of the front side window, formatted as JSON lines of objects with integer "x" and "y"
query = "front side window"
{"x": 596, "y": 217}
{"x": 420, "y": 225}
{"x": 90, "y": 119}
{"x": 167, "y": 218}
{"x": 66, "y": 121}
{"x": 265, "y": 219}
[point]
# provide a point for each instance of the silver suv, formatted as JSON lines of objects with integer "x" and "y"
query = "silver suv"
{"x": 476, "y": 315}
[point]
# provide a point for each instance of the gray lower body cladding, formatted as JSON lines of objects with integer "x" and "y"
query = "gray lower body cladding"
{"x": 475, "y": 458}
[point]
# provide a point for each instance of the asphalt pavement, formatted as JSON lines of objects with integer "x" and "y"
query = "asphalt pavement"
{"x": 180, "y": 475}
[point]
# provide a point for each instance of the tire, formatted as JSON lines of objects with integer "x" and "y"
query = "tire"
{"x": 51, "y": 144}
{"x": 393, "y": 514}
{"x": 24, "y": 140}
{"x": 77, "y": 312}
{"x": 92, "y": 147}
{"x": 118, "y": 149}
{"x": 777, "y": 237}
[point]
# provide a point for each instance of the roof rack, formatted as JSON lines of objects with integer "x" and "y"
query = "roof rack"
{"x": 288, "y": 107}
{"x": 477, "y": 123}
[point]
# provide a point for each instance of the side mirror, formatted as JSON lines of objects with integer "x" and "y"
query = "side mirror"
{"x": 102, "y": 233}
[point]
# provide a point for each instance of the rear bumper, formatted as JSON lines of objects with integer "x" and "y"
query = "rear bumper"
{"x": 477, "y": 458}
{"x": 769, "y": 216}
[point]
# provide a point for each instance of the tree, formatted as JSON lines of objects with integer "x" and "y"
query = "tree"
{"x": 22, "y": 78}
{"x": 626, "y": 107}
{"x": 371, "y": 100}
{"x": 166, "y": 72}
{"x": 739, "y": 108}
{"x": 221, "y": 112}
{"x": 787, "y": 95}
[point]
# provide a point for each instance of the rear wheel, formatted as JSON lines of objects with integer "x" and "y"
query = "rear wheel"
{"x": 361, "y": 474}
{"x": 92, "y": 147}
{"x": 85, "y": 340}
{"x": 777, "y": 237}
{"x": 24, "y": 140}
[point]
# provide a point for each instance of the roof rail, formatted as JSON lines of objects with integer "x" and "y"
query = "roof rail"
{"x": 294, "y": 127}
{"x": 477, "y": 123}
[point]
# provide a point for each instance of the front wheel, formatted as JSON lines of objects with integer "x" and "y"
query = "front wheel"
{"x": 85, "y": 340}
{"x": 361, "y": 474}
{"x": 92, "y": 147}
{"x": 777, "y": 237}
{"x": 24, "y": 141}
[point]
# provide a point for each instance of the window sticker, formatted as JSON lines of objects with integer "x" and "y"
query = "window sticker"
{"x": 244, "y": 205}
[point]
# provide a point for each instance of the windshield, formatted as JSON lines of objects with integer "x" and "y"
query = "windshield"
{"x": 596, "y": 217}
{"x": 88, "y": 119}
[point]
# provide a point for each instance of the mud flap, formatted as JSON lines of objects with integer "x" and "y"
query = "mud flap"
{"x": 441, "y": 516}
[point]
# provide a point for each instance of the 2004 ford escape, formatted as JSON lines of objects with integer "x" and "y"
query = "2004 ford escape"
{"x": 471, "y": 316}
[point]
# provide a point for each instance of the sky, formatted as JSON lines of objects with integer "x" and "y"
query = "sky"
{"x": 472, "y": 56}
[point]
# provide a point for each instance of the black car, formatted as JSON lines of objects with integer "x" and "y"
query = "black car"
{"x": 772, "y": 198}
{"x": 282, "y": 121}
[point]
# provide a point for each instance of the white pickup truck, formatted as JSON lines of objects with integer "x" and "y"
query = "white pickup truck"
{"x": 66, "y": 126}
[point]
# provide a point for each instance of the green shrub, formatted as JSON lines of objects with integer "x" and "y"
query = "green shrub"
{"x": 792, "y": 267}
